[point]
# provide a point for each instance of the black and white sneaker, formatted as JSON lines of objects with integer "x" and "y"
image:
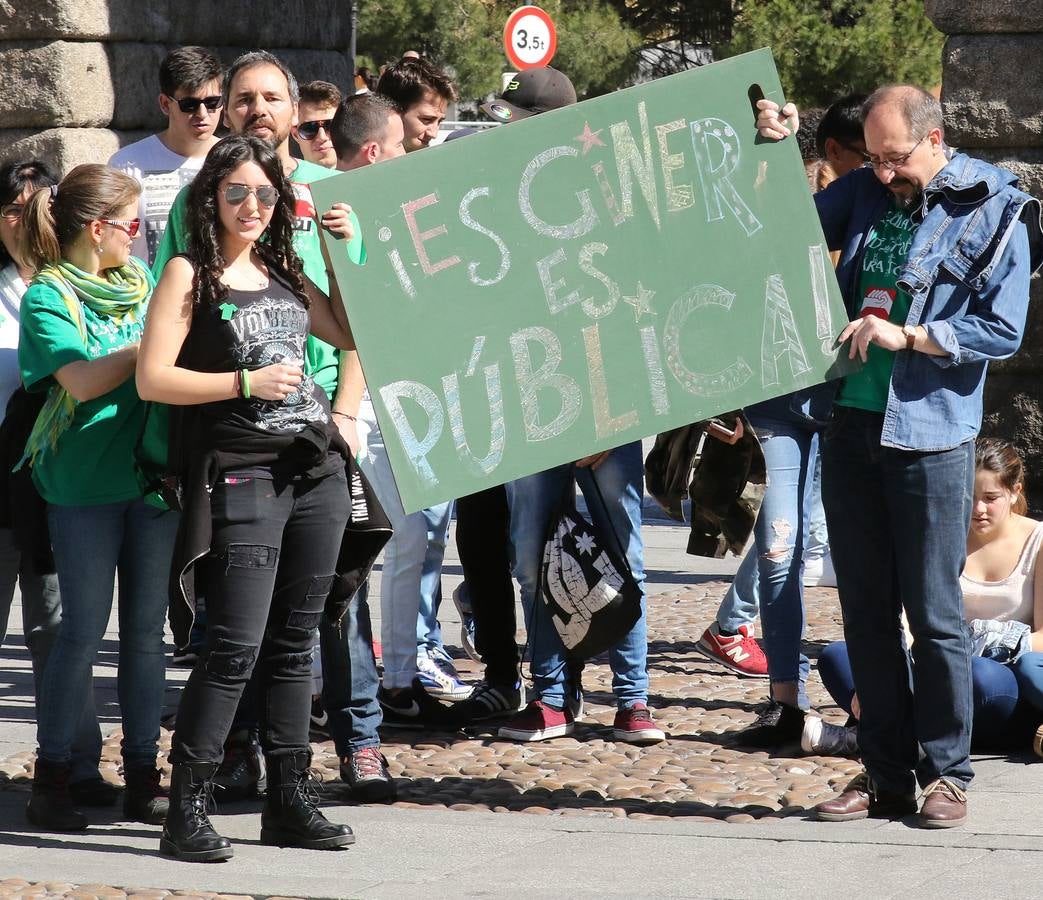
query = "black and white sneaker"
{"x": 489, "y": 701}
{"x": 319, "y": 729}
{"x": 412, "y": 708}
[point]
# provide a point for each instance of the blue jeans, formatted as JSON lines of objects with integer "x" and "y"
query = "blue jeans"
{"x": 741, "y": 604}
{"x": 349, "y": 677}
{"x": 1029, "y": 672}
{"x": 412, "y": 566}
{"x": 790, "y": 444}
{"x": 92, "y": 543}
{"x": 533, "y": 501}
{"x": 41, "y": 621}
{"x": 898, "y": 530}
{"x": 994, "y": 688}
{"x": 428, "y": 629}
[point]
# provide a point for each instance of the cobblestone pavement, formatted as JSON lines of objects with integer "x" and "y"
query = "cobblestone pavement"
{"x": 695, "y": 774}
{"x": 18, "y": 887}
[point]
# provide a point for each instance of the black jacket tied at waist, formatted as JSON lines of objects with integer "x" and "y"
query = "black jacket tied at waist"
{"x": 232, "y": 447}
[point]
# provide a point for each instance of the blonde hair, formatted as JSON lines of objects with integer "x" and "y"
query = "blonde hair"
{"x": 52, "y": 221}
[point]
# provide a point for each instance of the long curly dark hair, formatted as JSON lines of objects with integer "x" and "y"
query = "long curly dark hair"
{"x": 204, "y": 223}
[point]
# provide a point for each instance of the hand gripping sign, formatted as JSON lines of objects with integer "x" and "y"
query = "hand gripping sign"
{"x": 584, "y": 278}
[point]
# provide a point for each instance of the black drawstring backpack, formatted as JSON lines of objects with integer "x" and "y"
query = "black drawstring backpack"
{"x": 586, "y": 584}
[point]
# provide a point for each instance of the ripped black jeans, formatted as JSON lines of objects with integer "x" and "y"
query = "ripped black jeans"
{"x": 271, "y": 565}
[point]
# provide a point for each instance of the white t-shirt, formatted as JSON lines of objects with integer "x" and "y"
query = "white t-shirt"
{"x": 11, "y": 290}
{"x": 161, "y": 173}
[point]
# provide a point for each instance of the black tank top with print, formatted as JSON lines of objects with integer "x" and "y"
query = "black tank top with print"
{"x": 251, "y": 330}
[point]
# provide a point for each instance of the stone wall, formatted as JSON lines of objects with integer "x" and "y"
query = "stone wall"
{"x": 80, "y": 76}
{"x": 992, "y": 93}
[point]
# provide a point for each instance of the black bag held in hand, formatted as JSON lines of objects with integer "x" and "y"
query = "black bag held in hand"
{"x": 586, "y": 582}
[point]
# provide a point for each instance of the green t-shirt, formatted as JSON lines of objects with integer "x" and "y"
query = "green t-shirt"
{"x": 93, "y": 461}
{"x": 321, "y": 360}
{"x": 887, "y": 249}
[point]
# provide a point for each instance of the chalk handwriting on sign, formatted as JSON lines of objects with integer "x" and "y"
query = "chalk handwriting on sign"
{"x": 585, "y": 278}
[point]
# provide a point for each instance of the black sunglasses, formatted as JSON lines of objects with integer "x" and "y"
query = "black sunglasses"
{"x": 189, "y": 105}
{"x": 310, "y": 130}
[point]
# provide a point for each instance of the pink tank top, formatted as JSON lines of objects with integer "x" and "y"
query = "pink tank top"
{"x": 1009, "y": 599}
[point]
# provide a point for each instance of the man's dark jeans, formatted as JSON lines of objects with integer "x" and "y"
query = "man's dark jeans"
{"x": 898, "y": 525}
{"x": 269, "y": 571}
{"x": 483, "y": 533}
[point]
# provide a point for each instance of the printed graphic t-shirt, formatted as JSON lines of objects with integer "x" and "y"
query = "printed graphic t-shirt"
{"x": 93, "y": 461}
{"x": 887, "y": 249}
{"x": 162, "y": 173}
{"x": 321, "y": 360}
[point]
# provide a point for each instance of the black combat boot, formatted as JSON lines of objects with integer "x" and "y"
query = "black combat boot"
{"x": 241, "y": 774}
{"x": 50, "y": 806}
{"x": 144, "y": 800}
{"x": 291, "y": 817}
{"x": 187, "y": 832}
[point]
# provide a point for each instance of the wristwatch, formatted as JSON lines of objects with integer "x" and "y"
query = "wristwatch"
{"x": 910, "y": 336}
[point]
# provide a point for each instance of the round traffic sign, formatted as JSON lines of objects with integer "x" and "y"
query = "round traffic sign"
{"x": 529, "y": 37}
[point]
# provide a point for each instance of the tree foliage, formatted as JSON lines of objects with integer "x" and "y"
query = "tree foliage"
{"x": 595, "y": 49}
{"x": 672, "y": 32}
{"x": 827, "y": 48}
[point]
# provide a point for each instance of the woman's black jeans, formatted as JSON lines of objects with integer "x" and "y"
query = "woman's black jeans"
{"x": 270, "y": 568}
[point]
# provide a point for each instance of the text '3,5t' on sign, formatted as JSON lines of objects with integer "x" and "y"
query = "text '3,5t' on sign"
{"x": 529, "y": 38}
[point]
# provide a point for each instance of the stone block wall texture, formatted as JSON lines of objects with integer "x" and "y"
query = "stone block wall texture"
{"x": 992, "y": 94}
{"x": 81, "y": 75}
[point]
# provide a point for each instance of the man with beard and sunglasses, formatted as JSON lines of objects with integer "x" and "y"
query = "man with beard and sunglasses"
{"x": 163, "y": 163}
{"x": 937, "y": 250}
{"x": 261, "y": 99}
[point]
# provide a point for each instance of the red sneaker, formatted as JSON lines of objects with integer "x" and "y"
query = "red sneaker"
{"x": 635, "y": 726}
{"x": 538, "y": 722}
{"x": 738, "y": 652}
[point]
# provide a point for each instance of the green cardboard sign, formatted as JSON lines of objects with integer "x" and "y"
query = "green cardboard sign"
{"x": 584, "y": 278}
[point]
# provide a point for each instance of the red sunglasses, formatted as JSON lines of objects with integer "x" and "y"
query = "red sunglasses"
{"x": 130, "y": 226}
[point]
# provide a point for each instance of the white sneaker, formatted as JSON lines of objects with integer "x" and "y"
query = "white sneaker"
{"x": 825, "y": 739}
{"x": 440, "y": 678}
{"x": 818, "y": 572}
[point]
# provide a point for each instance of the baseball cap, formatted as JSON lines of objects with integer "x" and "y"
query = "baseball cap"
{"x": 530, "y": 92}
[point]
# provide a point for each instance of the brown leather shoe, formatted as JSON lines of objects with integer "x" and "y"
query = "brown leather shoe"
{"x": 944, "y": 805}
{"x": 861, "y": 799}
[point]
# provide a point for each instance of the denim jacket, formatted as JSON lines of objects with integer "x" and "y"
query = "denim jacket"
{"x": 977, "y": 242}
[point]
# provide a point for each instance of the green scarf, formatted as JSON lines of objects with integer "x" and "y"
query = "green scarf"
{"x": 120, "y": 296}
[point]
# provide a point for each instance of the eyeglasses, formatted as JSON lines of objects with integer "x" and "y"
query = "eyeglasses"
{"x": 892, "y": 164}
{"x": 266, "y": 195}
{"x": 12, "y": 210}
{"x": 130, "y": 226}
{"x": 189, "y": 105}
{"x": 310, "y": 130}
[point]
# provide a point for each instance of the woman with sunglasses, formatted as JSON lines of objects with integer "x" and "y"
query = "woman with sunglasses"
{"x": 81, "y": 320}
{"x": 25, "y": 548}
{"x": 264, "y": 489}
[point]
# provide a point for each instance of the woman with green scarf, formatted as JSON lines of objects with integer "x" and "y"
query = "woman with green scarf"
{"x": 81, "y": 322}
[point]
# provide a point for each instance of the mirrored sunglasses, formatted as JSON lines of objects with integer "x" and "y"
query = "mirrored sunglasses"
{"x": 266, "y": 195}
{"x": 310, "y": 130}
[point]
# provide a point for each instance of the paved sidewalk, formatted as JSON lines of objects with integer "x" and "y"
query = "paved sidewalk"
{"x": 693, "y": 817}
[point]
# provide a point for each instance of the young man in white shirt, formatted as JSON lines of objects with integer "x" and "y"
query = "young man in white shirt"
{"x": 190, "y": 98}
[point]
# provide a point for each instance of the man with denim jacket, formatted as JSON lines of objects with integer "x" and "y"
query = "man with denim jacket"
{"x": 937, "y": 250}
